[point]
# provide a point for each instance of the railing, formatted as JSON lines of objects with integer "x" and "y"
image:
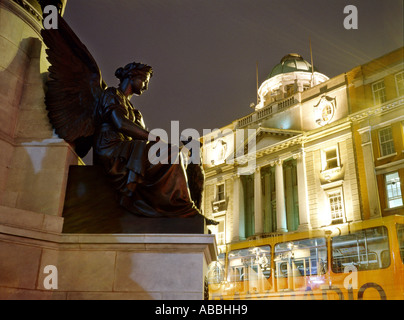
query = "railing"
{"x": 245, "y": 121}
{"x": 269, "y": 110}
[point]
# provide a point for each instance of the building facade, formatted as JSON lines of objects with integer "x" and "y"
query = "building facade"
{"x": 315, "y": 152}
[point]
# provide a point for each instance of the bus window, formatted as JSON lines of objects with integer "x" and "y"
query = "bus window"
{"x": 301, "y": 258}
{"x": 366, "y": 249}
{"x": 249, "y": 263}
{"x": 216, "y": 270}
{"x": 400, "y": 235}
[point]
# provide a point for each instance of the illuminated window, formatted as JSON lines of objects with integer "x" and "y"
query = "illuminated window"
{"x": 330, "y": 158}
{"x": 219, "y": 152}
{"x": 336, "y": 205}
{"x": 400, "y": 83}
{"x": 220, "y": 233}
{"x": 379, "y": 92}
{"x": 393, "y": 190}
{"x": 386, "y": 141}
{"x": 219, "y": 203}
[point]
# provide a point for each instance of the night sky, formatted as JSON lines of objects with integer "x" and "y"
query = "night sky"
{"x": 204, "y": 52}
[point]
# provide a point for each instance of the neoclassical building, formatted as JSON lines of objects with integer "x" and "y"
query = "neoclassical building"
{"x": 308, "y": 156}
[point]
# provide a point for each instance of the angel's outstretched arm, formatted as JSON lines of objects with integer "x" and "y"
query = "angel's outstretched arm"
{"x": 129, "y": 128}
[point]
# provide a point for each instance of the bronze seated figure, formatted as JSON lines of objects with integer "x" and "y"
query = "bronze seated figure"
{"x": 87, "y": 113}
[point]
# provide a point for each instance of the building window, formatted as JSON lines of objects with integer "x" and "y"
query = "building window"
{"x": 289, "y": 90}
{"x": 219, "y": 152}
{"x": 393, "y": 190}
{"x": 330, "y": 158}
{"x": 219, "y": 203}
{"x": 336, "y": 205}
{"x": 220, "y": 235}
{"x": 219, "y": 230}
{"x": 386, "y": 141}
{"x": 400, "y": 83}
{"x": 220, "y": 196}
{"x": 379, "y": 92}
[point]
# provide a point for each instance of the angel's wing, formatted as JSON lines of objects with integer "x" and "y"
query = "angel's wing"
{"x": 75, "y": 86}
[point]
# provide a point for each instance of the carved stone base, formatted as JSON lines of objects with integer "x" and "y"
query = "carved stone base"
{"x": 91, "y": 206}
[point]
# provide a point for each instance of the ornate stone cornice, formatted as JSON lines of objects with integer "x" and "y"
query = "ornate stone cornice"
{"x": 26, "y": 12}
{"x": 377, "y": 110}
{"x": 30, "y": 9}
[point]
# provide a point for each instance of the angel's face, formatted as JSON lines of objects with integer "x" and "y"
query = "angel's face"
{"x": 140, "y": 83}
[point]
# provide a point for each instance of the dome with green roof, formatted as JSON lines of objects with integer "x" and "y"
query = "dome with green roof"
{"x": 292, "y": 75}
{"x": 290, "y": 63}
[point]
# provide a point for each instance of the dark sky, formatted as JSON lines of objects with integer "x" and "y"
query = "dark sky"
{"x": 204, "y": 52}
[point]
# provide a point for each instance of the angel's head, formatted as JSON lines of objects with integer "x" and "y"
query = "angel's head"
{"x": 134, "y": 78}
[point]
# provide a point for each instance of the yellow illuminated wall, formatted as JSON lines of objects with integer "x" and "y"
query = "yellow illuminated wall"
{"x": 379, "y": 116}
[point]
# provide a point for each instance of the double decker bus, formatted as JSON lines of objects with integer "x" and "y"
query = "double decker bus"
{"x": 354, "y": 261}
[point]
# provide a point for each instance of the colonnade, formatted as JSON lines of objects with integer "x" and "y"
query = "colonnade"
{"x": 281, "y": 218}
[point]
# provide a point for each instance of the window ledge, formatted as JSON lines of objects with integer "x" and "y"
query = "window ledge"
{"x": 388, "y": 156}
{"x": 334, "y": 184}
{"x": 218, "y": 202}
{"x": 332, "y": 170}
{"x": 395, "y": 208}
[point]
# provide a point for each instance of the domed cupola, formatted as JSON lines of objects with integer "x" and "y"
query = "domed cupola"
{"x": 290, "y": 63}
{"x": 292, "y": 75}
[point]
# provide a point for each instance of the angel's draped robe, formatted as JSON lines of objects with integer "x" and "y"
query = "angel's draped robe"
{"x": 154, "y": 190}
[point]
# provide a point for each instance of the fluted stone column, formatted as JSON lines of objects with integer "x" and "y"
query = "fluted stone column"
{"x": 258, "y": 216}
{"x": 237, "y": 206}
{"x": 280, "y": 198}
{"x": 304, "y": 217}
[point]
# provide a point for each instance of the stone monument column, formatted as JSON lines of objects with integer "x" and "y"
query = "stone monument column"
{"x": 33, "y": 162}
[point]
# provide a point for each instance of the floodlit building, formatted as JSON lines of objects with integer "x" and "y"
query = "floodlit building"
{"x": 316, "y": 152}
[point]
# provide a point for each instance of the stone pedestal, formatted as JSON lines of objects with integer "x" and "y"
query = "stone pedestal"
{"x": 103, "y": 266}
{"x": 92, "y": 206}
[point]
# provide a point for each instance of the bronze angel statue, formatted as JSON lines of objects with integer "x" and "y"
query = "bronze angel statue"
{"x": 87, "y": 113}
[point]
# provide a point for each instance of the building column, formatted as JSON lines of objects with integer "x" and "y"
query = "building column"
{"x": 237, "y": 207}
{"x": 304, "y": 217}
{"x": 258, "y": 216}
{"x": 280, "y": 198}
{"x": 369, "y": 164}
